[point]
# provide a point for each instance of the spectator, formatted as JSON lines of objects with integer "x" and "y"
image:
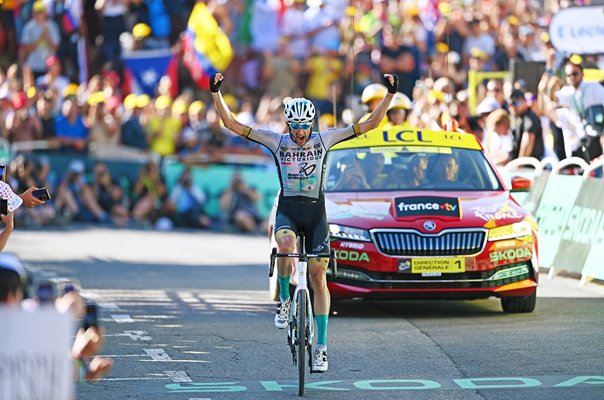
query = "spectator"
{"x": 238, "y": 204}
{"x": 13, "y": 279}
{"x": 133, "y": 133}
{"x": 40, "y": 40}
{"x": 446, "y": 169}
{"x": 150, "y": 194}
{"x": 580, "y": 98}
{"x": 22, "y": 125}
{"x": 8, "y": 220}
{"x": 528, "y": 134}
{"x": 324, "y": 70}
{"x": 45, "y": 110}
{"x": 110, "y": 195}
{"x": 113, "y": 25}
{"x": 71, "y": 131}
{"x": 188, "y": 201}
{"x": 104, "y": 128}
{"x": 416, "y": 174}
{"x": 399, "y": 59}
{"x": 499, "y": 141}
{"x": 53, "y": 80}
{"x": 75, "y": 198}
{"x": 163, "y": 128}
{"x": 398, "y": 111}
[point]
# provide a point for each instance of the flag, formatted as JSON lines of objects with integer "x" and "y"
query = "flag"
{"x": 207, "y": 49}
{"x": 144, "y": 69}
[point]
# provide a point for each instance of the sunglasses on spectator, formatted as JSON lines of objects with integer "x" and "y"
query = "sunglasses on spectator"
{"x": 573, "y": 74}
{"x": 516, "y": 103}
{"x": 298, "y": 126}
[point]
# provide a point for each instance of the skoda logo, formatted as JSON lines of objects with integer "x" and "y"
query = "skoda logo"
{"x": 429, "y": 225}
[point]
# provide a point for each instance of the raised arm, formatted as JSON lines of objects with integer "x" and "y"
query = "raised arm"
{"x": 376, "y": 116}
{"x": 223, "y": 110}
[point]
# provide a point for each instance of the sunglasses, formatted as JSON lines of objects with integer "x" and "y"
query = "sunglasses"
{"x": 572, "y": 74}
{"x": 299, "y": 126}
{"x": 516, "y": 103}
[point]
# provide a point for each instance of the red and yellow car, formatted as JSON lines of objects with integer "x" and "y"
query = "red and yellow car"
{"x": 424, "y": 214}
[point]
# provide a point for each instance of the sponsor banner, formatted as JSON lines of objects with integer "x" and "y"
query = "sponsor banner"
{"x": 34, "y": 355}
{"x": 427, "y": 206}
{"x": 582, "y": 245}
{"x": 578, "y": 30}
{"x": 531, "y": 201}
{"x": 585, "y": 223}
{"x": 554, "y": 208}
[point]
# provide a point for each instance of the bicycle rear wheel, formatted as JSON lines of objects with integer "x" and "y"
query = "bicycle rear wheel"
{"x": 301, "y": 328}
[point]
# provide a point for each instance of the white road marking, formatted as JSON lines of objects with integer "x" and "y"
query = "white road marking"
{"x": 109, "y": 306}
{"x": 158, "y": 354}
{"x": 122, "y": 318}
{"x": 138, "y": 335}
{"x": 178, "y": 376}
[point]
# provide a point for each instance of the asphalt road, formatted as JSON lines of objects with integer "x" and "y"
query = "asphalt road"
{"x": 188, "y": 316}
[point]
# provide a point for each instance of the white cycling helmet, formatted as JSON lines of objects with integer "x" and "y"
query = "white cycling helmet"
{"x": 299, "y": 110}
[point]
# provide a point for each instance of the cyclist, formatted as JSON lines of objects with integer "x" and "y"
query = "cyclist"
{"x": 300, "y": 157}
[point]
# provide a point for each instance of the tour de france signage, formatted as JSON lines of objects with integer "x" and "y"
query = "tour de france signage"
{"x": 578, "y": 30}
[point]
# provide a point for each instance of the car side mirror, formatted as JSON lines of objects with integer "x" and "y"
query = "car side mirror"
{"x": 521, "y": 184}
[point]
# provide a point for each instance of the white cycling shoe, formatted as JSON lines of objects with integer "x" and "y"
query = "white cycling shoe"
{"x": 282, "y": 314}
{"x": 320, "y": 363}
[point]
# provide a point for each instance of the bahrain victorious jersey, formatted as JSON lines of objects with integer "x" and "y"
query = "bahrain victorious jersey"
{"x": 301, "y": 168}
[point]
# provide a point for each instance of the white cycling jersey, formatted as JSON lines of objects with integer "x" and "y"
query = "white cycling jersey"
{"x": 301, "y": 168}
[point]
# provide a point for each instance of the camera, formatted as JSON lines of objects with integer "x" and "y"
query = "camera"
{"x": 91, "y": 317}
{"x": 46, "y": 292}
{"x": 41, "y": 194}
{"x": 3, "y": 206}
{"x": 3, "y": 173}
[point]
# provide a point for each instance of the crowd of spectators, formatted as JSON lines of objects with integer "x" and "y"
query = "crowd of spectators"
{"x": 62, "y": 81}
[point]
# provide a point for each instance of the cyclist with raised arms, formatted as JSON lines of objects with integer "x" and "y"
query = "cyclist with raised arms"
{"x": 300, "y": 159}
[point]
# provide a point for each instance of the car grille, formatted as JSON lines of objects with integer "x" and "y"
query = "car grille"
{"x": 407, "y": 243}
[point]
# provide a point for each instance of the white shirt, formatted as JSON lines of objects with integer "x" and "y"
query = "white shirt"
{"x": 586, "y": 95}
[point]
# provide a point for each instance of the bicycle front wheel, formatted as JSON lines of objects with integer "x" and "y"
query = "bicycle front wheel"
{"x": 301, "y": 328}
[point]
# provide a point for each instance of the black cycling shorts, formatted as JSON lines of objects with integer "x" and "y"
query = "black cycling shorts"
{"x": 303, "y": 214}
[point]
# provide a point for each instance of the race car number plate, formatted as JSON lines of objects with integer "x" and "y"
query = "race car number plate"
{"x": 451, "y": 265}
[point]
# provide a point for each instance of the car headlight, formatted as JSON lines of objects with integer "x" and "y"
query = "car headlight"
{"x": 515, "y": 230}
{"x": 346, "y": 232}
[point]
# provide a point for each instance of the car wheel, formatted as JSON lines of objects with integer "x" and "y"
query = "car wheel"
{"x": 523, "y": 304}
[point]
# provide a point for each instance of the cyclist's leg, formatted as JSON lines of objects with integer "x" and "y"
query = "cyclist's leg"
{"x": 285, "y": 237}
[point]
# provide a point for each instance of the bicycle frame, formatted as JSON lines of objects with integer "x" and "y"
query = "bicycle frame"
{"x": 302, "y": 290}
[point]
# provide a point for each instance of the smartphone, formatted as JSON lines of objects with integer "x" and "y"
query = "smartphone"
{"x": 90, "y": 319}
{"x": 3, "y": 206}
{"x": 3, "y": 173}
{"x": 41, "y": 194}
{"x": 45, "y": 292}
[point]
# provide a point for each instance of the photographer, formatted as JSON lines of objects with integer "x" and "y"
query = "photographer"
{"x": 238, "y": 205}
{"x": 582, "y": 104}
{"x": 89, "y": 338}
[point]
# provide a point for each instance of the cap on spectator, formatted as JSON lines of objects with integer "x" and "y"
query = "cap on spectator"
{"x": 142, "y": 100}
{"x": 196, "y": 107}
{"x": 111, "y": 77}
{"x": 454, "y": 57}
{"x": 444, "y": 8}
{"x": 96, "y": 98}
{"x": 52, "y": 60}
{"x": 10, "y": 262}
{"x": 70, "y": 90}
{"x": 513, "y": 20}
{"x": 517, "y": 95}
{"x": 442, "y": 48}
{"x": 576, "y": 59}
{"x": 179, "y": 107}
{"x": 487, "y": 106}
{"x": 412, "y": 11}
{"x": 39, "y": 7}
{"x": 77, "y": 166}
{"x": 400, "y": 101}
{"x": 19, "y": 100}
{"x": 163, "y": 102}
{"x": 130, "y": 101}
{"x": 478, "y": 53}
{"x": 373, "y": 91}
{"x": 435, "y": 95}
{"x": 545, "y": 38}
{"x": 327, "y": 119}
{"x": 141, "y": 31}
{"x": 31, "y": 92}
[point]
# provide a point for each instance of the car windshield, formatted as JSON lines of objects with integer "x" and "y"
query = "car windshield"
{"x": 409, "y": 168}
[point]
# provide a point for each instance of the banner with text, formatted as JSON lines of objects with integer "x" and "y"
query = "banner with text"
{"x": 34, "y": 355}
{"x": 578, "y": 30}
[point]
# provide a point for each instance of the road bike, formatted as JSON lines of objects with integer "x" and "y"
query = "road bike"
{"x": 300, "y": 330}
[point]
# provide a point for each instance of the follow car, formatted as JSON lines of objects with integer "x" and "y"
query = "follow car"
{"x": 424, "y": 214}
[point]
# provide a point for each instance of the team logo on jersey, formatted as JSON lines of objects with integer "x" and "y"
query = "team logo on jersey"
{"x": 307, "y": 169}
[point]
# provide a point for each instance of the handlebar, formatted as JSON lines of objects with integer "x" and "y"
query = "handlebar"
{"x": 303, "y": 257}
